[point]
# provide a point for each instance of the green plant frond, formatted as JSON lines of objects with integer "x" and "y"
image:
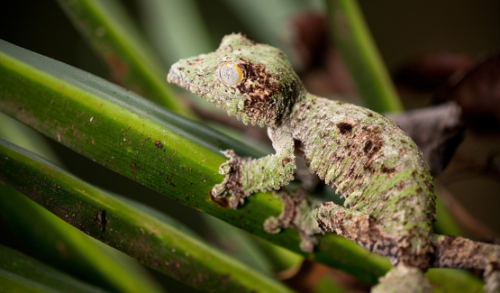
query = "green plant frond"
{"x": 151, "y": 237}
{"x": 116, "y": 40}
{"x": 165, "y": 152}
{"x": 174, "y": 156}
{"x": 21, "y": 273}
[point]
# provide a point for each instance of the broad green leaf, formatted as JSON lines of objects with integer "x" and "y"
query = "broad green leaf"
{"x": 115, "y": 38}
{"x": 20, "y": 273}
{"x": 145, "y": 234}
{"x": 176, "y": 29}
{"x": 64, "y": 246}
{"x": 12, "y": 130}
{"x": 174, "y": 156}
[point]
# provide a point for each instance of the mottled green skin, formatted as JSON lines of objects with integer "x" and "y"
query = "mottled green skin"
{"x": 379, "y": 170}
{"x": 200, "y": 75}
{"x": 373, "y": 163}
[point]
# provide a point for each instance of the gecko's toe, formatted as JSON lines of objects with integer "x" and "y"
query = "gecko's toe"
{"x": 218, "y": 190}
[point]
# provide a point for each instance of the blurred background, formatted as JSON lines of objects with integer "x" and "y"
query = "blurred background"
{"x": 434, "y": 51}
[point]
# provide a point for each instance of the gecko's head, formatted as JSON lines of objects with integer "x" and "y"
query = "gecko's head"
{"x": 254, "y": 82}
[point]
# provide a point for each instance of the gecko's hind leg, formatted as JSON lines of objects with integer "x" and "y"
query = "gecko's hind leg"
{"x": 403, "y": 279}
{"x": 296, "y": 214}
{"x": 367, "y": 232}
{"x": 358, "y": 227}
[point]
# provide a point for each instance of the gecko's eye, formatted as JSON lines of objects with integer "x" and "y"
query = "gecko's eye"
{"x": 230, "y": 74}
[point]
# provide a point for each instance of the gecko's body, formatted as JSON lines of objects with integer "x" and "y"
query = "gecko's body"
{"x": 390, "y": 202}
{"x": 370, "y": 160}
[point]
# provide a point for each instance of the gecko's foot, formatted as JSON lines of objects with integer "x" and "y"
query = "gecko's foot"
{"x": 231, "y": 184}
{"x": 403, "y": 279}
{"x": 296, "y": 214}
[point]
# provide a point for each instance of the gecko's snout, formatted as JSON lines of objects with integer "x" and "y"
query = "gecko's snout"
{"x": 175, "y": 76}
{"x": 172, "y": 76}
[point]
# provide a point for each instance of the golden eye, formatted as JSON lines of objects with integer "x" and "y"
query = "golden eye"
{"x": 230, "y": 74}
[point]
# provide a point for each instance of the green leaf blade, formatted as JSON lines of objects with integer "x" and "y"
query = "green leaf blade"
{"x": 20, "y": 273}
{"x": 185, "y": 168}
{"x": 115, "y": 222}
{"x": 115, "y": 39}
{"x": 64, "y": 246}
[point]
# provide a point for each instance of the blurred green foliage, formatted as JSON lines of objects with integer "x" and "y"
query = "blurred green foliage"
{"x": 156, "y": 34}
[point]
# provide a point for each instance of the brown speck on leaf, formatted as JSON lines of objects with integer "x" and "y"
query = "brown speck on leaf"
{"x": 222, "y": 202}
{"x": 134, "y": 165}
{"x": 100, "y": 218}
{"x": 344, "y": 127}
{"x": 158, "y": 144}
{"x": 169, "y": 180}
{"x": 118, "y": 67}
{"x": 145, "y": 138}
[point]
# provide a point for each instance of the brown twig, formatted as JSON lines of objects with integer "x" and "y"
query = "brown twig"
{"x": 436, "y": 130}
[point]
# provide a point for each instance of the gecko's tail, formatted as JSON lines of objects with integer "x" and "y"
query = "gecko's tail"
{"x": 463, "y": 253}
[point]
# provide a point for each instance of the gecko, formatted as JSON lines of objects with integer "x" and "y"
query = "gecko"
{"x": 389, "y": 205}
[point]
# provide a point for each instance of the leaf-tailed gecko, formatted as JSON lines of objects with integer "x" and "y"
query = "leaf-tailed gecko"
{"x": 389, "y": 198}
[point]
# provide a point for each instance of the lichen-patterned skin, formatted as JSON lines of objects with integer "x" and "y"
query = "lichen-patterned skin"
{"x": 377, "y": 168}
{"x": 390, "y": 202}
{"x": 371, "y": 161}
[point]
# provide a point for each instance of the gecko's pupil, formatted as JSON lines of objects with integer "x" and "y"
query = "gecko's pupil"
{"x": 230, "y": 74}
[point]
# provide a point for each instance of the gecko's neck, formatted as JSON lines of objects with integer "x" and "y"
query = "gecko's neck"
{"x": 302, "y": 102}
{"x": 285, "y": 106}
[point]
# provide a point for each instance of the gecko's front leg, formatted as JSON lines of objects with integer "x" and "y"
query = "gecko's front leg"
{"x": 244, "y": 176}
